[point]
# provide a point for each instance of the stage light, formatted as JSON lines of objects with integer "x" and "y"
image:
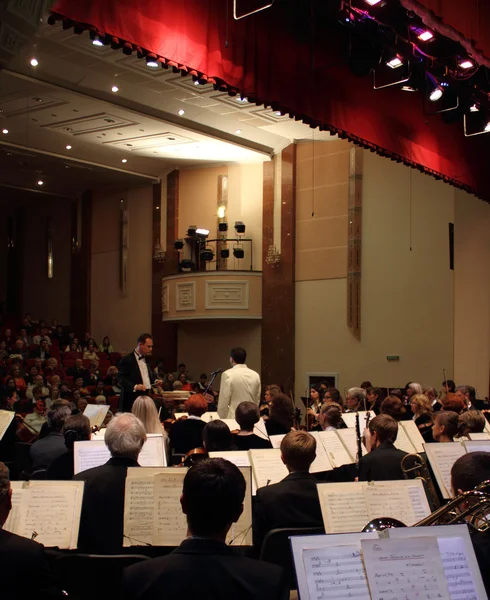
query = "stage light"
{"x": 373, "y": 2}
{"x": 223, "y": 227}
{"x": 191, "y": 230}
{"x": 5, "y": 131}
{"x": 181, "y": 112}
{"x": 426, "y": 35}
{"x": 114, "y": 89}
{"x": 40, "y": 182}
{"x": 186, "y": 264}
{"x": 466, "y": 64}
{"x": 224, "y": 253}
{"x": 476, "y": 122}
{"x": 34, "y": 62}
{"x": 436, "y": 90}
{"x": 202, "y": 232}
{"x": 239, "y": 227}
{"x": 207, "y": 255}
{"x": 221, "y": 212}
{"x": 178, "y": 244}
{"x": 474, "y": 108}
{"x": 152, "y": 61}
{"x": 238, "y": 253}
{"x": 408, "y": 88}
{"x": 394, "y": 63}
{"x": 97, "y": 41}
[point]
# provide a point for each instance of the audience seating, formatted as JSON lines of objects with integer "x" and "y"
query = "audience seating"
{"x": 276, "y": 548}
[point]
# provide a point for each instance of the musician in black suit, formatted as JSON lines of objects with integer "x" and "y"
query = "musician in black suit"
{"x": 293, "y": 502}
{"x": 135, "y": 373}
{"x": 383, "y": 463}
{"x": 101, "y": 522}
{"x": 203, "y": 566}
{"x": 25, "y": 570}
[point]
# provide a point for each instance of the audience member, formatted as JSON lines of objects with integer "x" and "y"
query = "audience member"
{"x": 75, "y": 429}
{"x": 186, "y": 386}
{"x": 203, "y": 566}
{"x": 106, "y": 346}
{"x": 101, "y": 531}
{"x": 80, "y": 402}
{"x": 186, "y": 434}
{"x": 281, "y": 416}
{"x": 78, "y": 370}
{"x": 20, "y": 384}
{"x": 36, "y": 419}
{"x": 216, "y": 437}
{"x": 247, "y": 415}
{"x": 293, "y": 502}
{"x": 45, "y": 450}
{"x": 90, "y": 353}
{"x": 37, "y": 383}
{"x": 238, "y": 384}
{"x": 355, "y": 400}
{"x": 19, "y": 350}
{"x": 383, "y": 461}
{"x": 445, "y": 426}
{"x": 42, "y": 351}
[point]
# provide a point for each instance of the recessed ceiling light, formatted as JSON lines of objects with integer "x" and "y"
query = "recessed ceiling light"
{"x": 238, "y": 131}
{"x": 68, "y": 147}
{"x": 34, "y": 62}
{"x": 97, "y": 42}
{"x": 157, "y": 207}
{"x": 124, "y": 160}
{"x": 425, "y": 36}
{"x": 5, "y": 131}
{"x": 240, "y": 99}
{"x": 152, "y": 62}
{"x": 196, "y": 82}
{"x": 181, "y": 111}
{"x": 278, "y": 113}
{"x": 466, "y": 64}
{"x": 373, "y": 2}
{"x": 114, "y": 88}
{"x": 40, "y": 182}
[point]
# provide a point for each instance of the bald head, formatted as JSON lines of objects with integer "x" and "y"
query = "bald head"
{"x": 125, "y": 436}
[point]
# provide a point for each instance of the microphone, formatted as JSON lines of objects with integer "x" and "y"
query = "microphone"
{"x": 216, "y": 372}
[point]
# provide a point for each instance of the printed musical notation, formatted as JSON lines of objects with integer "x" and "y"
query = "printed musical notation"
{"x": 457, "y": 569}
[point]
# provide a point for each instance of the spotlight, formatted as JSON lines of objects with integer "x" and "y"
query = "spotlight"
{"x": 181, "y": 112}
{"x": 223, "y": 227}
{"x": 178, "y": 244}
{"x": 207, "y": 255}
{"x": 373, "y": 2}
{"x": 34, "y": 62}
{"x": 202, "y": 232}
{"x": 97, "y": 41}
{"x": 394, "y": 63}
{"x": 221, "y": 212}
{"x": 239, "y": 227}
{"x": 466, "y": 64}
{"x": 224, "y": 253}
{"x": 114, "y": 89}
{"x": 436, "y": 91}
{"x": 186, "y": 264}
{"x": 152, "y": 61}
{"x": 68, "y": 147}
{"x": 5, "y": 131}
{"x": 474, "y": 108}
{"x": 124, "y": 160}
{"x": 238, "y": 253}
{"x": 426, "y": 35}
{"x": 191, "y": 231}
{"x": 40, "y": 182}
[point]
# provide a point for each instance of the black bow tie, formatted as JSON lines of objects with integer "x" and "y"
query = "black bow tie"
{"x": 140, "y": 357}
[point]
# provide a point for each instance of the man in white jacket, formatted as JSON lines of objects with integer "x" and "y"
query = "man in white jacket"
{"x": 238, "y": 384}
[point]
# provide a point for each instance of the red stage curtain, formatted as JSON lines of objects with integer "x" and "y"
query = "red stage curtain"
{"x": 279, "y": 58}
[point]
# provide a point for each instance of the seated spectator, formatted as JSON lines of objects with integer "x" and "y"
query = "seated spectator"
{"x": 20, "y": 383}
{"x": 39, "y": 364}
{"x": 36, "y": 419}
{"x": 79, "y": 385}
{"x": 203, "y": 566}
{"x": 453, "y": 403}
{"x": 106, "y": 346}
{"x": 25, "y": 337}
{"x": 168, "y": 384}
{"x": 293, "y": 502}
{"x": 19, "y": 350}
{"x": 4, "y": 353}
{"x": 31, "y": 374}
{"x": 393, "y": 407}
{"x": 88, "y": 339}
{"x": 216, "y": 437}
{"x": 41, "y": 337}
{"x": 471, "y": 421}
{"x": 75, "y": 429}
{"x": 80, "y": 403}
{"x": 383, "y": 461}
{"x": 281, "y": 415}
{"x": 99, "y": 390}
{"x": 112, "y": 380}
{"x": 177, "y": 386}
{"x": 45, "y": 450}
{"x": 8, "y": 339}
{"x": 186, "y": 434}
{"x": 104, "y": 486}
{"x": 73, "y": 346}
{"x": 181, "y": 369}
{"x": 186, "y": 385}
{"x": 38, "y": 383}
{"x": 58, "y": 334}
{"x": 247, "y": 415}
{"x": 78, "y": 371}
{"x": 100, "y": 400}
{"x": 52, "y": 368}
{"x": 42, "y": 351}
{"x": 54, "y": 394}
{"x": 25, "y": 569}
{"x": 93, "y": 373}
{"x": 445, "y": 426}
{"x": 63, "y": 387}
{"x": 89, "y": 353}
{"x": 330, "y": 417}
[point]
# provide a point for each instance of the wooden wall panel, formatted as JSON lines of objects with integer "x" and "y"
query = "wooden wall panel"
{"x": 81, "y": 270}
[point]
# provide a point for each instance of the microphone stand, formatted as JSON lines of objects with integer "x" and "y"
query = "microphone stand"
{"x": 214, "y": 374}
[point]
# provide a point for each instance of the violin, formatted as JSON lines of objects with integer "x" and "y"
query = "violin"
{"x": 193, "y": 456}
{"x": 23, "y": 432}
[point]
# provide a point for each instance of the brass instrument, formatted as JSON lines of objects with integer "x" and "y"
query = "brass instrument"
{"x": 471, "y": 507}
{"x": 421, "y": 470}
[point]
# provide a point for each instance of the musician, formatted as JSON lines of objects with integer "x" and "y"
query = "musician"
{"x": 467, "y": 394}
{"x": 330, "y": 418}
{"x": 333, "y": 395}
{"x": 422, "y": 415}
{"x": 186, "y": 434}
{"x": 355, "y": 400}
{"x": 203, "y": 566}
{"x": 393, "y": 406}
{"x": 216, "y": 437}
{"x": 238, "y": 384}
{"x": 445, "y": 426}
{"x": 431, "y": 394}
{"x": 383, "y": 463}
{"x": 247, "y": 415}
{"x": 471, "y": 421}
{"x": 281, "y": 417}
{"x": 448, "y": 387}
{"x": 101, "y": 523}
{"x": 75, "y": 429}
{"x": 45, "y": 450}
{"x": 135, "y": 374}
{"x": 373, "y": 395}
{"x": 453, "y": 403}
{"x": 293, "y": 502}
{"x": 25, "y": 569}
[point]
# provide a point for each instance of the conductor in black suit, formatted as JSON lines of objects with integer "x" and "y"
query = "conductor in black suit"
{"x": 135, "y": 373}
{"x": 203, "y": 567}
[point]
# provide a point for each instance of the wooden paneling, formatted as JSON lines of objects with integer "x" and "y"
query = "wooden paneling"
{"x": 81, "y": 270}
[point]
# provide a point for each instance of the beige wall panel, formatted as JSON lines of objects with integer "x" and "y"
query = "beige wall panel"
{"x": 321, "y": 233}
{"x": 325, "y": 263}
{"x": 305, "y": 149}
{"x": 329, "y": 201}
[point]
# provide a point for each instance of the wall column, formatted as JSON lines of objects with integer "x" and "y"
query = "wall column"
{"x": 81, "y": 267}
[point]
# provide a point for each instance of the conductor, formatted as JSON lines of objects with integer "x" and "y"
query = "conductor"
{"x": 135, "y": 374}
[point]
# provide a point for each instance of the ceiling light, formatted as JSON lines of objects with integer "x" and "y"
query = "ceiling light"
{"x": 152, "y": 61}
{"x": 40, "y": 182}
{"x": 435, "y": 88}
{"x": 124, "y": 160}
{"x": 373, "y": 2}
{"x": 114, "y": 88}
{"x": 394, "y": 63}
{"x": 426, "y": 35}
{"x": 5, "y": 131}
{"x": 97, "y": 41}
{"x": 238, "y": 131}
{"x": 181, "y": 111}
{"x": 466, "y": 64}
{"x": 68, "y": 147}
{"x": 474, "y": 108}
{"x": 34, "y": 62}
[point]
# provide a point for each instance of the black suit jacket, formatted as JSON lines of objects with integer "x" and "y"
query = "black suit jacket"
{"x": 293, "y": 502}
{"x": 382, "y": 464}
{"x": 129, "y": 375}
{"x": 36, "y": 353}
{"x": 101, "y": 522}
{"x": 204, "y": 569}
{"x": 25, "y": 570}
{"x": 45, "y": 450}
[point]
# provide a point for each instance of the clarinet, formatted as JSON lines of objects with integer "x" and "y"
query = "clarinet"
{"x": 359, "y": 440}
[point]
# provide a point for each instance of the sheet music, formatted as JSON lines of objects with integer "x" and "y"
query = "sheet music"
{"x": 322, "y": 461}
{"x": 12, "y": 522}
{"x": 267, "y": 466}
{"x": 408, "y": 568}
{"x": 389, "y": 501}
{"x": 403, "y": 442}
{"x": 169, "y": 522}
{"x": 413, "y": 434}
{"x": 232, "y": 424}
{"x": 52, "y": 510}
{"x": 418, "y": 501}
{"x": 260, "y": 429}
{"x": 477, "y": 446}
{"x": 335, "y": 572}
{"x": 6, "y": 417}
{"x": 240, "y": 533}
{"x": 349, "y": 439}
{"x": 138, "y": 506}
{"x": 442, "y": 457}
{"x": 335, "y": 449}
{"x": 479, "y": 436}
{"x": 96, "y": 413}
{"x": 240, "y": 458}
{"x": 277, "y": 439}
{"x": 343, "y": 507}
{"x": 350, "y": 418}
